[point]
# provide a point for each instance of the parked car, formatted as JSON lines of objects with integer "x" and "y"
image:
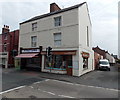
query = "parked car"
{"x": 104, "y": 64}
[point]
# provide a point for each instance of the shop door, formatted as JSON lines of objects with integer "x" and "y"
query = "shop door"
{"x": 69, "y": 65}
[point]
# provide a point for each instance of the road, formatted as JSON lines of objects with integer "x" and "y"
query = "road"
{"x": 59, "y": 89}
{"x": 12, "y": 79}
{"x": 95, "y": 84}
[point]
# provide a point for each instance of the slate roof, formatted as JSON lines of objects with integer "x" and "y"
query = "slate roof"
{"x": 52, "y": 13}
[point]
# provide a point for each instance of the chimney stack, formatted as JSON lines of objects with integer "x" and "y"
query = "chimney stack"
{"x": 54, "y": 7}
{"x": 5, "y": 29}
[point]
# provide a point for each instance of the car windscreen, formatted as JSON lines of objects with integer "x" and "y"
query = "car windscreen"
{"x": 103, "y": 62}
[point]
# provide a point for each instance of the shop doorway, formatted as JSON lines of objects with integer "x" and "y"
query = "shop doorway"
{"x": 69, "y": 67}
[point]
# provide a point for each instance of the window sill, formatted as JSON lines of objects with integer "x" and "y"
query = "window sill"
{"x": 85, "y": 69}
{"x": 57, "y": 69}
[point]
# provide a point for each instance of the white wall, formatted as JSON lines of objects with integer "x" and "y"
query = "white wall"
{"x": 110, "y": 58}
{"x": 74, "y": 35}
{"x": 84, "y": 21}
{"x": 45, "y": 30}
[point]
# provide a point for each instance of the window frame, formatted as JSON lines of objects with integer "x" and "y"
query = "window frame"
{"x": 57, "y": 21}
{"x": 87, "y": 36}
{"x": 5, "y": 47}
{"x": 85, "y": 63}
{"x": 33, "y": 42}
{"x": 5, "y": 37}
{"x": 34, "y": 26}
{"x": 58, "y": 40}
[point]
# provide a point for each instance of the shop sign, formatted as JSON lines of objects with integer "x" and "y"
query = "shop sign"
{"x": 30, "y": 50}
{"x": 85, "y": 54}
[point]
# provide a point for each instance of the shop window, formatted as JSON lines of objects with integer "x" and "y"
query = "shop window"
{"x": 59, "y": 62}
{"x": 57, "y": 21}
{"x": 85, "y": 63}
{"x": 57, "y": 39}
{"x": 34, "y": 26}
{"x": 33, "y": 62}
{"x": 33, "y": 41}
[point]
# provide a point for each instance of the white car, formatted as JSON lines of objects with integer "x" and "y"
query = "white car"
{"x": 104, "y": 64}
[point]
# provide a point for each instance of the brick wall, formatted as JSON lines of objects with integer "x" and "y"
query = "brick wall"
{"x": 54, "y": 7}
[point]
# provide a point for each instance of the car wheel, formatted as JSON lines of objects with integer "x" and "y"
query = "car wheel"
{"x": 108, "y": 69}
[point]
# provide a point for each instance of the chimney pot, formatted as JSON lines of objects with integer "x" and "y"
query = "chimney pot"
{"x": 5, "y": 29}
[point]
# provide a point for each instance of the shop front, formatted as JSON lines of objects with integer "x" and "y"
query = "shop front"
{"x": 4, "y": 59}
{"x": 85, "y": 56}
{"x": 59, "y": 62}
{"x": 29, "y": 58}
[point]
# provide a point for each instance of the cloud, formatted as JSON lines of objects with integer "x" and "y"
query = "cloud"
{"x": 103, "y": 14}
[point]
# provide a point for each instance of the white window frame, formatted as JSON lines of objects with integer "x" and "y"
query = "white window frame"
{"x": 5, "y": 47}
{"x": 57, "y": 40}
{"x": 57, "y": 21}
{"x": 5, "y": 38}
{"x": 33, "y": 41}
{"x": 87, "y": 29}
{"x": 34, "y": 26}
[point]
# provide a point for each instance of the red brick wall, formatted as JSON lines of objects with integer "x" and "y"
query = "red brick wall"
{"x": 97, "y": 57}
{"x": 54, "y": 7}
{"x": 0, "y": 42}
{"x": 100, "y": 51}
{"x": 12, "y": 42}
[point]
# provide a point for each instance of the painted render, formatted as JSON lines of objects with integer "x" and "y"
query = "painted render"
{"x": 73, "y": 32}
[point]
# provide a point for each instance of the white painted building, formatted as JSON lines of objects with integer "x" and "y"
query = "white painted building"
{"x": 68, "y": 32}
{"x": 110, "y": 58}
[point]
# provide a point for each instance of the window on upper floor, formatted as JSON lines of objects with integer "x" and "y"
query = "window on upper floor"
{"x": 34, "y": 26}
{"x": 57, "y": 21}
{"x": 5, "y": 47}
{"x": 57, "y": 39}
{"x": 5, "y": 38}
{"x": 87, "y": 36}
{"x": 33, "y": 41}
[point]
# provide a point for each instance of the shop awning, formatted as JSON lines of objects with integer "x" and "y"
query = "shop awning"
{"x": 28, "y": 55}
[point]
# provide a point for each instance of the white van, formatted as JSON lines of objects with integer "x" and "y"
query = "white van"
{"x": 104, "y": 64}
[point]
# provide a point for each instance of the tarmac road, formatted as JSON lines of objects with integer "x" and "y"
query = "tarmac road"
{"x": 59, "y": 89}
{"x": 98, "y": 81}
{"x": 12, "y": 78}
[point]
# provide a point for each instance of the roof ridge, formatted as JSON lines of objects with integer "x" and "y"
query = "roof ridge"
{"x": 55, "y": 12}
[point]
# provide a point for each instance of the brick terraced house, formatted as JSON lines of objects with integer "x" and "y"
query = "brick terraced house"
{"x": 8, "y": 46}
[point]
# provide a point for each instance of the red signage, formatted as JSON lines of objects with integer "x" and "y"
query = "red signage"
{"x": 85, "y": 54}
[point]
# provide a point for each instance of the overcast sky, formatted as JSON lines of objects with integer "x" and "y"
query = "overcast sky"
{"x": 103, "y": 14}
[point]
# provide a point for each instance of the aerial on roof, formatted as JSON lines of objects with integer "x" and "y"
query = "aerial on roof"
{"x": 52, "y": 13}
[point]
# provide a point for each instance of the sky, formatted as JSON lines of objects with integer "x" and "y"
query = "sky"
{"x": 103, "y": 15}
